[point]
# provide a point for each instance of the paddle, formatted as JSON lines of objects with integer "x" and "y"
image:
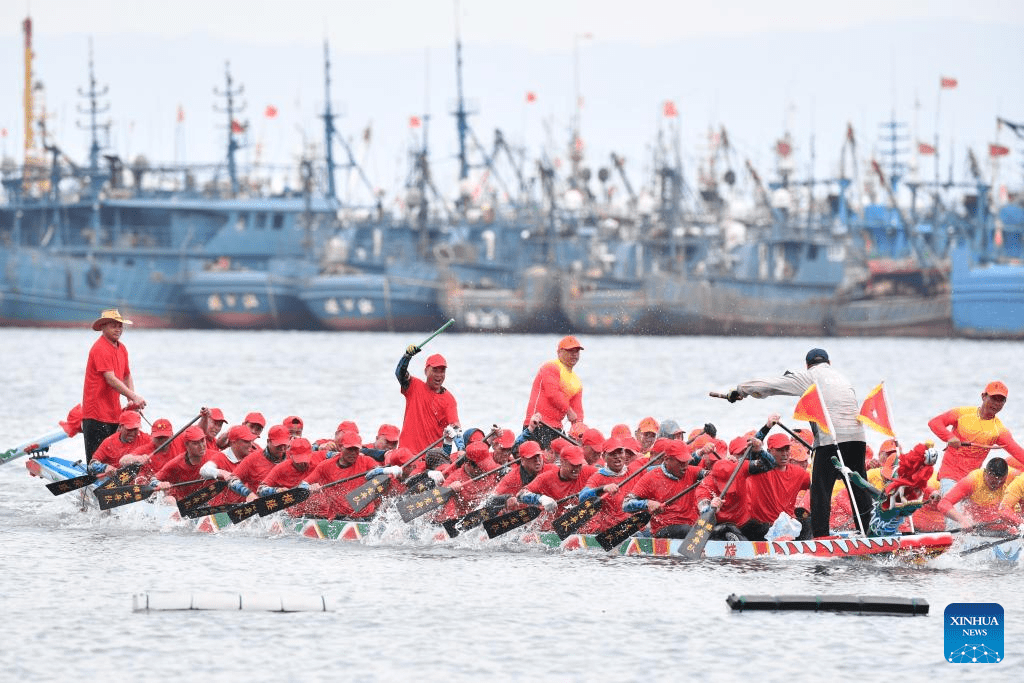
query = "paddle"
{"x": 476, "y": 517}
{"x": 412, "y": 507}
{"x": 118, "y": 478}
{"x": 361, "y": 496}
{"x": 693, "y": 544}
{"x": 496, "y": 526}
{"x": 204, "y": 510}
{"x": 616, "y": 534}
{"x": 293, "y": 496}
{"x": 571, "y": 520}
{"x": 201, "y": 495}
{"x": 436, "y": 332}
{"x": 121, "y": 477}
{"x": 991, "y": 544}
{"x": 123, "y": 495}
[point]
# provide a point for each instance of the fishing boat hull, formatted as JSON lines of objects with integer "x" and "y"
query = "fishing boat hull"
{"x": 988, "y": 299}
{"x": 604, "y": 306}
{"x": 533, "y": 306}
{"x": 248, "y": 300}
{"x": 904, "y": 316}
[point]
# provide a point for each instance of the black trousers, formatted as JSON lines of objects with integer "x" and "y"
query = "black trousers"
{"x": 544, "y": 435}
{"x": 94, "y": 432}
{"x": 673, "y": 531}
{"x": 823, "y": 478}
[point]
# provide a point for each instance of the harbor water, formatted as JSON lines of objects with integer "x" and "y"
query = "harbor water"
{"x": 467, "y": 609}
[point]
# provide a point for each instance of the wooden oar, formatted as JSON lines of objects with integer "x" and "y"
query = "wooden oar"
{"x": 204, "y": 510}
{"x": 123, "y": 495}
{"x": 201, "y": 495}
{"x": 476, "y": 517}
{"x": 436, "y": 332}
{"x": 567, "y": 524}
{"x": 616, "y": 534}
{"x": 991, "y": 544}
{"x": 412, "y": 507}
{"x": 361, "y": 496}
{"x": 693, "y": 544}
{"x": 121, "y": 477}
{"x": 293, "y": 496}
{"x": 502, "y": 524}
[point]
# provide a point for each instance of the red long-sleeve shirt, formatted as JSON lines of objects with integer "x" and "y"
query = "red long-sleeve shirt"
{"x": 966, "y": 424}
{"x": 556, "y": 388}
{"x": 657, "y": 485}
{"x": 332, "y": 503}
{"x": 775, "y": 491}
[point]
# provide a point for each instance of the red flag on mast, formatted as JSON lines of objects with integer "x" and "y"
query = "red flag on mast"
{"x": 925, "y": 148}
{"x": 270, "y": 112}
{"x": 531, "y": 97}
{"x": 875, "y": 412}
{"x": 998, "y": 151}
{"x": 947, "y": 83}
{"x": 669, "y": 109}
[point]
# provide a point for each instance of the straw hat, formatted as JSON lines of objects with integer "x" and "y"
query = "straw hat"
{"x": 109, "y": 315}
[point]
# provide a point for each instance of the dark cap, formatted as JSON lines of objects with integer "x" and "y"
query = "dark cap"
{"x": 815, "y": 356}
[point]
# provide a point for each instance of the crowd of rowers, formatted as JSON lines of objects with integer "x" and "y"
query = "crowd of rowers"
{"x": 504, "y": 470}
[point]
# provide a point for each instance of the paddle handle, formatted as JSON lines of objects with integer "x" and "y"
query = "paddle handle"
{"x": 715, "y": 394}
{"x": 682, "y": 493}
{"x": 167, "y": 443}
{"x": 437, "y": 332}
{"x": 986, "y": 546}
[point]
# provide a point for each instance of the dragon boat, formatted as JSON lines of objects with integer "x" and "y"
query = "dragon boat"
{"x": 911, "y": 547}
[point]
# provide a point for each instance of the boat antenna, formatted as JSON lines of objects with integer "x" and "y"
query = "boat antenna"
{"x": 94, "y": 110}
{"x": 460, "y": 112}
{"x": 234, "y": 126}
{"x": 329, "y": 129}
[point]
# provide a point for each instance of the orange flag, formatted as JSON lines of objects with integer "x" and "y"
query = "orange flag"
{"x": 811, "y": 408}
{"x": 875, "y": 412}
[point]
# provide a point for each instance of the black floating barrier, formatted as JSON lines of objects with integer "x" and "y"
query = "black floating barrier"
{"x": 854, "y": 604}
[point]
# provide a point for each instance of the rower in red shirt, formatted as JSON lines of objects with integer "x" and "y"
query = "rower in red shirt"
{"x": 240, "y": 445}
{"x": 290, "y": 472}
{"x": 429, "y": 407}
{"x": 552, "y": 485}
{"x": 605, "y": 482}
{"x": 663, "y": 482}
{"x": 775, "y": 491}
{"x": 152, "y": 460}
{"x": 531, "y": 464}
{"x": 734, "y": 507}
{"x": 246, "y": 478}
{"x": 331, "y": 503}
{"x": 980, "y": 494}
{"x": 469, "y": 494}
{"x": 128, "y": 439}
{"x": 184, "y": 467}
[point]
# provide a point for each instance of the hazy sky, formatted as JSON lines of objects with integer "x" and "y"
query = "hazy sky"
{"x": 758, "y": 68}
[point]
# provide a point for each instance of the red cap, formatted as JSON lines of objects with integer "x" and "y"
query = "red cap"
{"x": 568, "y": 343}
{"x": 557, "y": 445}
{"x": 631, "y": 445}
{"x": 738, "y": 446}
{"x": 662, "y": 445}
{"x": 256, "y": 419}
{"x": 528, "y": 449}
{"x": 996, "y": 388}
{"x": 216, "y": 414}
{"x": 798, "y": 453}
{"x": 241, "y": 432}
{"x": 194, "y": 433}
{"x": 677, "y": 449}
{"x": 398, "y": 456}
{"x": 300, "y": 450}
{"x": 577, "y": 429}
{"x": 389, "y": 432}
{"x": 351, "y": 440}
{"x": 161, "y": 427}
{"x": 592, "y": 438}
{"x": 292, "y": 421}
{"x": 779, "y": 441}
{"x": 888, "y": 446}
{"x": 648, "y": 424}
{"x": 347, "y": 426}
{"x": 130, "y": 419}
{"x": 612, "y": 444}
{"x": 887, "y": 465}
{"x": 721, "y": 447}
{"x": 478, "y": 452}
{"x": 437, "y": 361}
{"x": 621, "y": 431}
{"x": 506, "y": 439}
{"x": 278, "y": 435}
{"x": 572, "y": 455}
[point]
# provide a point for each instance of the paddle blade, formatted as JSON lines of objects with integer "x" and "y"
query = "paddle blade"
{"x": 496, "y": 526}
{"x": 566, "y": 525}
{"x": 420, "y": 483}
{"x": 122, "y": 495}
{"x": 693, "y": 545}
{"x": 364, "y": 494}
{"x": 281, "y": 501}
{"x": 455, "y": 526}
{"x": 242, "y": 511}
{"x": 200, "y": 496}
{"x": 123, "y": 477}
{"x": 204, "y": 510}
{"x": 614, "y": 535}
{"x": 412, "y": 507}
{"x": 59, "y": 488}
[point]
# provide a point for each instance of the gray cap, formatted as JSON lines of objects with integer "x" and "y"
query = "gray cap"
{"x": 668, "y": 429}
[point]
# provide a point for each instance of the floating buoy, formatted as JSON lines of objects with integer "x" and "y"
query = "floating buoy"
{"x": 855, "y": 604}
{"x": 251, "y": 602}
